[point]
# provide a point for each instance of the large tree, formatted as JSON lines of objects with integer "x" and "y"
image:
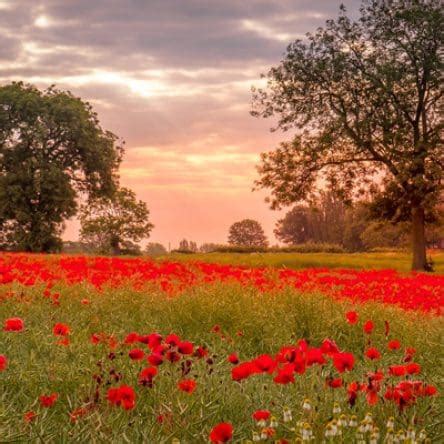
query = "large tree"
{"x": 112, "y": 224}
{"x": 247, "y": 233}
{"x": 52, "y": 148}
{"x": 363, "y": 98}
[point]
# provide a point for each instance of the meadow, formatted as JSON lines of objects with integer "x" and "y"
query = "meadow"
{"x": 396, "y": 260}
{"x": 135, "y": 350}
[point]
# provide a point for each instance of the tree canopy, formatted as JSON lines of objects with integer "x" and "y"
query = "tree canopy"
{"x": 247, "y": 233}
{"x": 362, "y": 97}
{"x": 114, "y": 223}
{"x": 52, "y": 149}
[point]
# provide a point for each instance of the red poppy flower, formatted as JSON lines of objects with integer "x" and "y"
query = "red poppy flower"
{"x": 261, "y": 415}
{"x": 397, "y": 370}
{"x": 172, "y": 356}
{"x": 154, "y": 340}
{"x": 187, "y": 385}
{"x": 201, "y": 352}
{"x": 221, "y": 433}
{"x": 48, "y": 400}
{"x": 243, "y": 371}
{"x": 285, "y": 374}
{"x": 334, "y": 382}
{"x": 413, "y": 368}
{"x": 394, "y": 344}
{"x": 352, "y": 317}
{"x": 430, "y": 390}
{"x": 215, "y": 329}
{"x": 14, "y": 324}
{"x": 265, "y": 363}
{"x": 29, "y": 416}
{"x": 172, "y": 340}
{"x": 131, "y": 338}
{"x": 146, "y": 376}
{"x": 343, "y": 361}
{"x": 136, "y": 354}
{"x": 314, "y": 356}
{"x": 123, "y": 396}
{"x": 368, "y": 327}
{"x": 61, "y": 329}
{"x": 3, "y": 362}
{"x": 155, "y": 359}
{"x": 185, "y": 347}
{"x": 85, "y": 301}
{"x": 64, "y": 342}
{"x": 373, "y": 353}
{"x": 233, "y": 359}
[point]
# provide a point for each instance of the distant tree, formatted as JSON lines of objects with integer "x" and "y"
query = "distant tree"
{"x": 209, "y": 247}
{"x": 321, "y": 221}
{"x": 52, "y": 148}
{"x": 295, "y": 228}
{"x": 382, "y": 234}
{"x": 111, "y": 223}
{"x": 247, "y": 233}
{"x": 364, "y": 97}
{"x": 155, "y": 249}
{"x": 185, "y": 245}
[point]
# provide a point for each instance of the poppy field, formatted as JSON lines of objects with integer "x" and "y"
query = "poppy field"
{"x": 133, "y": 350}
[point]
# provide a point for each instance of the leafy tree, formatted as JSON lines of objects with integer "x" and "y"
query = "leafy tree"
{"x": 247, "y": 233}
{"x": 363, "y": 97}
{"x": 52, "y": 148}
{"x": 189, "y": 246}
{"x": 113, "y": 223}
{"x": 155, "y": 249}
{"x": 322, "y": 221}
{"x": 294, "y": 228}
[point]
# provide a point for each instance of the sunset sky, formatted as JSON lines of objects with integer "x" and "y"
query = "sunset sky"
{"x": 172, "y": 78}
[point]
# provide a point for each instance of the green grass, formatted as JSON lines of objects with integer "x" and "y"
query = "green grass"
{"x": 267, "y": 321}
{"x": 394, "y": 260}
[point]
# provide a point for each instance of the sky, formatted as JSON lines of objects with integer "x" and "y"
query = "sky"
{"x": 172, "y": 78}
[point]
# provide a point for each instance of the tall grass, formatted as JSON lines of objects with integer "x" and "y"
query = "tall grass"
{"x": 251, "y": 323}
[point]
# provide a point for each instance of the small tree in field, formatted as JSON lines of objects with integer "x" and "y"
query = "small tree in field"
{"x": 247, "y": 233}
{"x": 364, "y": 98}
{"x": 155, "y": 249}
{"x": 111, "y": 223}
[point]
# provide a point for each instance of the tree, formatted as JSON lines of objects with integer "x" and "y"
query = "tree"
{"x": 209, "y": 247}
{"x": 247, "y": 233}
{"x": 52, "y": 148}
{"x": 321, "y": 221}
{"x": 294, "y": 228}
{"x": 190, "y": 246}
{"x": 363, "y": 97}
{"x": 111, "y": 224}
{"x": 155, "y": 249}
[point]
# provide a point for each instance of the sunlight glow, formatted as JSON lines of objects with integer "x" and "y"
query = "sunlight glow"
{"x": 42, "y": 21}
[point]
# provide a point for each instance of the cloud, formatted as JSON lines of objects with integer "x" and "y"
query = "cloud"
{"x": 172, "y": 78}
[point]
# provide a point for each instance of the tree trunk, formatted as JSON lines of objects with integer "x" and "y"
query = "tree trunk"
{"x": 418, "y": 240}
{"x": 115, "y": 246}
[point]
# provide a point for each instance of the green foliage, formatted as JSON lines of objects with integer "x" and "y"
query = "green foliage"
{"x": 155, "y": 249}
{"x": 247, "y": 233}
{"x": 363, "y": 97}
{"x": 209, "y": 247}
{"x": 51, "y": 149}
{"x": 111, "y": 224}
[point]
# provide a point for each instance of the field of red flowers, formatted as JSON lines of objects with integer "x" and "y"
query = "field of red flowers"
{"x": 133, "y": 350}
